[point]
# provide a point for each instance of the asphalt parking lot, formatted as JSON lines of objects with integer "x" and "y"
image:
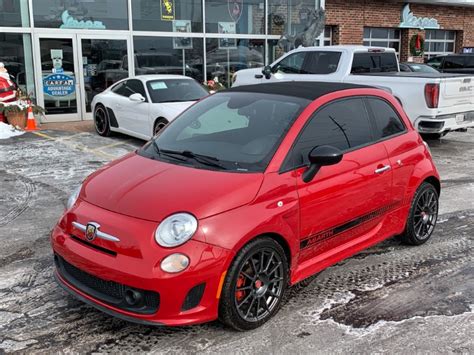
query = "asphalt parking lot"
{"x": 390, "y": 298}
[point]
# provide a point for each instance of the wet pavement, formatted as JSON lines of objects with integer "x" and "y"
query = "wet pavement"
{"x": 390, "y": 298}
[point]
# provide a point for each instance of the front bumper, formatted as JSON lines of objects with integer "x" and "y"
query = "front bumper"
{"x": 134, "y": 264}
{"x": 445, "y": 123}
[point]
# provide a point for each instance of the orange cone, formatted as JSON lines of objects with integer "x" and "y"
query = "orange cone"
{"x": 31, "y": 123}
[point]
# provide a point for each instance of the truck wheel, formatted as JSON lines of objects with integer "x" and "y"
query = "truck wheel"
{"x": 423, "y": 215}
{"x": 255, "y": 285}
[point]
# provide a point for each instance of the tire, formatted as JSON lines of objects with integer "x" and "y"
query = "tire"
{"x": 101, "y": 121}
{"x": 423, "y": 215}
{"x": 159, "y": 125}
{"x": 253, "y": 290}
{"x": 433, "y": 136}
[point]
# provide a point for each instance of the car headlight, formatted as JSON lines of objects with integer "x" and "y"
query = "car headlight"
{"x": 176, "y": 229}
{"x": 73, "y": 197}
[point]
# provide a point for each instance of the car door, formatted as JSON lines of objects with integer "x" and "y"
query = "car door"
{"x": 403, "y": 147}
{"x": 135, "y": 114}
{"x": 347, "y": 200}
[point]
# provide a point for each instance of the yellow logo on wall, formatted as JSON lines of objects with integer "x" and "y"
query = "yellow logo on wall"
{"x": 167, "y": 10}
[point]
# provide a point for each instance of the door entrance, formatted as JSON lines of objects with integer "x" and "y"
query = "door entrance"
{"x": 72, "y": 68}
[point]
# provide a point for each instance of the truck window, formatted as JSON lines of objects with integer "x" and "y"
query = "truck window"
{"x": 293, "y": 64}
{"x": 453, "y": 62}
{"x": 322, "y": 62}
{"x": 318, "y": 62}
{"x": 470, "y": 62}
{"x": 374, "y": 63}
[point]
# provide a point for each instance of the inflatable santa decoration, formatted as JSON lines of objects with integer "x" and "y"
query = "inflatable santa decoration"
{"x": 7, "y": 88}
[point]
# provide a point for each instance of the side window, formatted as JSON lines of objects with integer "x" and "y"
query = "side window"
{"x": 470, "y": 62}
{"x": 343, "y": 124}
{"x": 136, "y": 86}
{"x": 121, "y": 89}
{"x": 387, "y": 121}
{"x": 453, "y": 62}
{"x": 293, "y": 64}
{"x": 322, "y": 62}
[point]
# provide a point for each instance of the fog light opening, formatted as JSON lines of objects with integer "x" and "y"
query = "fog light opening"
{"x": 133, "y": 297}
{"x": 175, "y": 263}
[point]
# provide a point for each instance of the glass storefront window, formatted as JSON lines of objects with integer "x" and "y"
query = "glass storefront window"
{"x": 14, "y": 13}
{"x": 164, "y": 55}
{"x": 102, "y": 61}
{"x": 16, "y": 55}
{"x": 225, "y": 56}
{"x": 161, "y": 15}
{"x": 288, "y": 16}
{"x": 80, "y": 14}
{"x": 235, "y": 16}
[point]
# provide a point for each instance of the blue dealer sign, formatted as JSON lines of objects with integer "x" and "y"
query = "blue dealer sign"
{"x": 59, "y": 85}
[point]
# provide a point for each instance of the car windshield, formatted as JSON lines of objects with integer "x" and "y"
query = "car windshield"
{"x": 175, "y": 90}
{"x": 237, "y": 131}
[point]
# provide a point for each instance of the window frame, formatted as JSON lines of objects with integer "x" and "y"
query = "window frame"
{"x": 387, "y": 39}
{"x": 431, "y": 54}
{"x": 286, "y": 164}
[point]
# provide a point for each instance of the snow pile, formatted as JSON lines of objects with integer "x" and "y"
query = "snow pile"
{"x": 7, "y": 131}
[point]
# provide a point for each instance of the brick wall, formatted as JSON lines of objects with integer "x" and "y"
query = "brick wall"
{"x": 349, "y": 17}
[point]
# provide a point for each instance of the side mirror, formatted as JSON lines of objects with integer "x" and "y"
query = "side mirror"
{"x": 321, "y": 156}
{"x": 267, "y": 72}
{"x": 137, "y": 97}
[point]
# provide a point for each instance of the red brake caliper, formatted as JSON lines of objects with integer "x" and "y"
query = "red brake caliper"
{"x": 239, "y": 295}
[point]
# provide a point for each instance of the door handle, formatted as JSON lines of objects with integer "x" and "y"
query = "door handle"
{"x": 382, "y": 169}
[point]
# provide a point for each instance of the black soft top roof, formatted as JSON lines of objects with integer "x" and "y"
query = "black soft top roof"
{"x": 310, "y": 90}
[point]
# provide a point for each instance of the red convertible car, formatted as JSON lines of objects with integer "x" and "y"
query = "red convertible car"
{"x": 249, "y": 191}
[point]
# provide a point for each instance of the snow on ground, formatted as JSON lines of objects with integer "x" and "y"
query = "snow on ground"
{"x": 7, "y": 131}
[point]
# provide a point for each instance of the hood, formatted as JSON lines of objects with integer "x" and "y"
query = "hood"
{"x": 149, "y": 189}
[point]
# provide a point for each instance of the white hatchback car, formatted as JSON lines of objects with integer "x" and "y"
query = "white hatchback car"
{"x": 143, "y": 105}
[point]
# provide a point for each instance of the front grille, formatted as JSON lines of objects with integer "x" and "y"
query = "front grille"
{"x": 113, "y": 293}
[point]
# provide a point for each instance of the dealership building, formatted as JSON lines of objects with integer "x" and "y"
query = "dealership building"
{"x": 64, "y": 52}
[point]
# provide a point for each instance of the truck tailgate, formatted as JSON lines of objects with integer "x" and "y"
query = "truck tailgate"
{"x": 456, "y": 91}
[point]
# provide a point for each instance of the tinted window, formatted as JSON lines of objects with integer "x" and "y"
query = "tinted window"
{"x": 293, "y": 64}
{"x": 121, "y": 89}
{"x": 387, "y": 121}
{"x": 343, "y": 124}
{"x": 470, "y": 62}
{"x": 374, "y": 62}
{"x": 322, "y": 62}
{"x": 174, "y": 90}
{"x": 242, "y": 130}
{"x": 453, "y": 62}
{"x": 136, "y": 86}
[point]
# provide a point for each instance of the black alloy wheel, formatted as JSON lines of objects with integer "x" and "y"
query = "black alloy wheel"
{"x": 101, "y": 121}
{"x": 255, "y": 285}
{"x": 423, "y": 215}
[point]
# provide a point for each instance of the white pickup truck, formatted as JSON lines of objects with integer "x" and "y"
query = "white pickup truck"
{"x": 435, "y": 103}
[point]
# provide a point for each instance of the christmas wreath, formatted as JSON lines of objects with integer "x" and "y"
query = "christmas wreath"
{"x": 417, "y": 45}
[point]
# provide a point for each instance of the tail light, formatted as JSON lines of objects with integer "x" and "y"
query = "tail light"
{"x": 432, "y": 95}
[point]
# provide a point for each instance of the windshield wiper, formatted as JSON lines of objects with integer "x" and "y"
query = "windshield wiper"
{"x": 165, "y": 152}
{"x": 201, "y": 158}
